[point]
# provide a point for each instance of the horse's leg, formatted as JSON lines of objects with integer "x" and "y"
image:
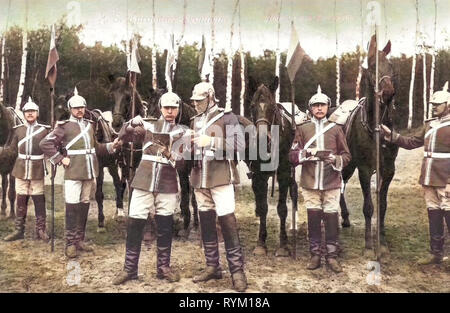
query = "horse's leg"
{"x": 4, "y": 190}
{"x": 259, "y": 186}
{"x": 347, "y": 172}
{"x": 113, "y": 171}
{"x": 184, "y": 202}
{"x": 194, "y": 207}
{"x": 365, "y": 174}
{"x": 284, "y": 180}
{"x": 12, "y": 195}
{"x": 99, "y": 198}
{"x": 387, "y": 176}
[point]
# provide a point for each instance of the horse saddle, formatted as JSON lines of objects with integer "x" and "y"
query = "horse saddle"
{"x": 299, "y": 116}
{"x": 345, "y": 114}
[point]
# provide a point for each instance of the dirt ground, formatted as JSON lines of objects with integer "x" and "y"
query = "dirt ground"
{"x": 29, "y": 266}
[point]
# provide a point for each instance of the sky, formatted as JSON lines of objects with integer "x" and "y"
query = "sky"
{"x": 317, "y": 22}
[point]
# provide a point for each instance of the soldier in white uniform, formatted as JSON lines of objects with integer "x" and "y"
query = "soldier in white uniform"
{"x": 435, "y": 173}
{"x": 29, "y": 171}
{"x": 73, "y": 144}
{"x": 213, "y": 177}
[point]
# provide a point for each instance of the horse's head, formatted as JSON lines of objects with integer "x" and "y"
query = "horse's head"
{"x": 385, "y": 71}
{"x": 153, "y": 102}
{"x": 120, "y": 93}
{"x": 263, "y": 109}
{"x": 61, "y": 112}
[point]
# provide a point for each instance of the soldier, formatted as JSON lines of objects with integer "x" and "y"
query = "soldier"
{"x": 435, "y": 172}
{"x": 155, "y": 189}
{"x": 73, "y": 144}
{"x": 321, "y": 148}
{"x": 29, "y": 171}
{"x": 216, "y": 139}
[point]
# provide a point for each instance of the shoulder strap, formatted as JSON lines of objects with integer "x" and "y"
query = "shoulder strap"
{"x": 82, "y": 133}
{"x": 211, "y": 121}
{"x": 434, "y": 129}
{"x": 313, "y": 138}
{"x": 22, "y": 141}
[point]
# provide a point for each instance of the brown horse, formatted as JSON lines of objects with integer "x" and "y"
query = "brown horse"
{"x": 268, "y": 115}
{"x": 361, "y": 140}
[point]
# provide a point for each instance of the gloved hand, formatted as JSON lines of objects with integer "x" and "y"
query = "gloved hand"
{"x": 385, "y": 132}
{"x": 330, "y": 159}
{"x": 447, "y": 190}
{"x": 202, "y": 141}
{"x": 311, "y": 152}
{"x": 117, "y": 144}
{"x": 137, "y": 121}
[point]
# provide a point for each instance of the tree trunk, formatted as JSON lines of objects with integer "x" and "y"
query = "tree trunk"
{"x": 23, "y": 70}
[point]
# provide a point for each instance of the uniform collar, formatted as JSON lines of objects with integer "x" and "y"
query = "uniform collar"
{"x": 321, "y": 121}
{"x": 74, "y": 119}
{"x": 32, "y": 124}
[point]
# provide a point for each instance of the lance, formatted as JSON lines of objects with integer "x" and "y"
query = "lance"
{"x": 377, "y": 143}
{"x": 53, "y": 167}
{"x": 294, "y": 203}
{"x": 132, "y": 81}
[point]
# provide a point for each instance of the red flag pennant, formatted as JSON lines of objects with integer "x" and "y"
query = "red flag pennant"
{"x": 294, "y": 56}
{"x": 53, "y": 57}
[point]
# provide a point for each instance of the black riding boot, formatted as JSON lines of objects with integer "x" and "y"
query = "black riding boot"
{"x": 72, "y": 211}
{"x": 315, "y": 237}
{"x": 233, "y": 249}
{"x": 83, "y": 212}
{"x": 436, "y": 224}
{"x": 135, "y": 232}
{"x": 40, "y": 212}
{"x": 164, "y": 225}
{"x": 331, "y": 221}
{"x": 210, "y": 246}
{"x": 21, "y": 216}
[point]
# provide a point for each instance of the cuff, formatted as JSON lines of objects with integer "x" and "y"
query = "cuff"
{"x": 393, "y": 137}
{"x": 302, "y": 156}
{"x": 56, "y": 158}
{"x": 339, "y": 163}
{"x": 109, "y": 147}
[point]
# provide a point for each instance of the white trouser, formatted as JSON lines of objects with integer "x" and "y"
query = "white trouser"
{"x": 145, "y": 202}
{"x": 326, "y": 200}
{"x": 77, "y": 191}
{"x": 219, "y": 198}
{"x": 435, "y": 198}
{"x": 30, "y": 187}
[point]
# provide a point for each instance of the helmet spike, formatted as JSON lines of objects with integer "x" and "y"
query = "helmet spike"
{"x": 319, "y": 90}
{"x": 445, "y": 88}
{"x": 75, "y": 91}
{"x": 29, "y": 99}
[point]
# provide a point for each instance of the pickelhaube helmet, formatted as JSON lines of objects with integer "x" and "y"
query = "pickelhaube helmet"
{"x": 170, "y": 99}
{"x": 76, "y": 101}
{"x": 319, "y": 97}
{"x": 30, "y": 106}
{"x": 441, "y": 96}
{"x": 202, "y": 90}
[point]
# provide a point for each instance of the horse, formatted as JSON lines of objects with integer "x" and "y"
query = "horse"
{"x": 265, "y": 113}
{"x": 8, "y": 119}
{"x": 103, "y": 134}
{"x": 361, "y": 140}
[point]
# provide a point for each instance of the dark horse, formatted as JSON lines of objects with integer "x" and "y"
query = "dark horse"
{"x": 103, "y": 134}
{"x": 8, "y": 119}
{"x": 121, "y": 95}
{"x": 265, "y": 113}
{"x": 361, "y": 140}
